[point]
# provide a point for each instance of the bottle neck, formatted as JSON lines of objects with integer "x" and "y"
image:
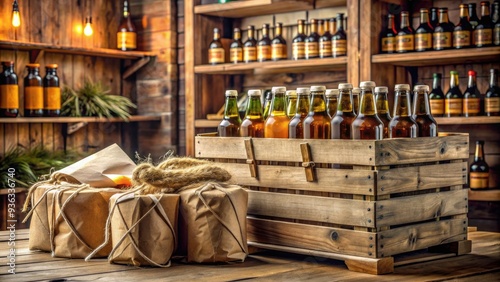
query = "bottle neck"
{"x": 8, "y": 68}
{"x": 485, "y": 11}
{"x": 278, "y": 30}
{"x": 495, "y": 16}
{"x": 231, "y": 109}
{"x": 367, "y": 104}
{"x": 424, "y": 17}
{"x": 472, "y": 81}
{"x": 216, "y": 35}
{"x": 436, "y": 83}
{"x": 443, "y": 17}
{"x": 390, "y": 22}
{"x": 314, "y": 27}
{"x": 454, "y": 81}
{"x": 33, "y": 71}
{"x": 333, "y": 25}
{"x": 300, "y": 28}
{"x": 402, "y": 104}
{"x": 472, "y": 11}
{"x": 421, "y": 104}
{"x": 318, "y": 104}
{"x": 434, "y": 15}
{"x": 479, "y": 155}
{"x": 237, "y": 35}
{"x": 303, "y": 105}
{"x": 345, "y": 101}
{"x": 405, "y": 22}
{"x": 340, "y": 22}
{"x": 382, "y": 103}
{"x": 254, "y": 109}
{"x": 493, "y": 79}
{"x": 265, "y": 32}
{"x": 250, "y": 33}
{"x": 278, "y": 105}
{"x": 464, "y": 13}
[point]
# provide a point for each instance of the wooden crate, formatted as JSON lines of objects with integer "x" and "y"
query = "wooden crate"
{"x": 360, "y": 201}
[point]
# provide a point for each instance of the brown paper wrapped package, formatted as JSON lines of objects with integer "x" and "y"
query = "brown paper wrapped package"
{"x": 42, "y": 202}
{"x": 214, "y": 217}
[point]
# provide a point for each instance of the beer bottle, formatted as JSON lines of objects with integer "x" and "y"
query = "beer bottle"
{"x": 312, "y": 41}
{"x": 332, "y": 96}
{"x": 492, "y": 97}
{"x": 276, "y": 125}
{"x": 479, "y": 170}
{"x": 473, "y": 18}
{"x": 230, "y": 124}
{"x": 317, "y": 123}
{"x": 355, "y": 99}
{"x": 299, "y": 42}
{"x": 267, "y": 103}
{"x": 434, "y": 17}
{"x": 453, "y": 100}
{"x": 342, "y": 121}
{"x": 463, "y": 30}
{"x": 339, "y": 38}
{"x": 236, "y": 48}
{"x": 296, "y": 125}
{"x": 215, "y": 50}
{"x": 367, "y": 124}
{"x": 51, "y": 92}
{"x": 436, "y": 98}
{"x": 382, "y": 103}
{"x": 126, "y": 34}
{"x": 427, "y": 126}
{"x": 423, "y": 34}
{"x": 402, "y": 124}
{"x": 483, "y": 34}
{"x": 321, "y": 30}
{"x": 278, "y": 44}
{"x": 291, "y": 103}
{"x": 405, "y": 39}
{"x": 253, "y": 124}
{"x": 495, "y": 18}
{"x": 250, "y": 46}
{"x": 33, "y": 92}
{"x": 325, "y": 41}
{"x": 264, "y": 45}
{"x": 388, "y": 36}
{"x": 472, "y": 97}
{"x": 9, "y": 91}
{"x": 443, "y": 33}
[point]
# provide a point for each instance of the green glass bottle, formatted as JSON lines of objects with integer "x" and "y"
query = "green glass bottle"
{"x": 402, "y": 124}
{"x": 342, "y": 122}
{"x": 453, "y": 99}
{"x": 382, "y": 103}
{"x": 253, "y": 124}
{"x": 367, "y": 125}
{"x": 317, "y": 123}
{"x": 230, "y": 125}
{"x": 296, "y": 125}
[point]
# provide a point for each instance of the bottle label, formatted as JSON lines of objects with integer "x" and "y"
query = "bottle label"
{"x": 236, "y": 55}
{"x": 423, "y": 41}
{"x": 389, "y": 44}
{"x": 33, "y": 97}
{"x": 9, "y": 96}
{"x": 325, "y": 48}
{"x": 52, "y": 98}
{"x": 483, "y": 36}
{"x": 492, "y": 105}
{"x": 461, "y": 38}
{"x": 405, "y": 42}
{"x": 250, "y": 54}
{"x": 278, "y": 51}
{"x": 453, "y": 106}
{"x": 442, "y": 40}
{"x": 264, "y": 53}
{"x": 496, "y": 35}
{"x": 437, "y": 106}
{"x": 126, "y": 40}
{"x": 339, "y": 47}
{"x": 216, "y": 56}
{"x": 298, "y": 50}
{"x": 312, "y": 49}
{"x": 479, "y": 180}
{"x": 472, "y": 105}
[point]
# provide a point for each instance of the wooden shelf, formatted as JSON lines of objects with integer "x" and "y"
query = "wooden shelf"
{"x": 484, "y": 195}
{"x": 467, "y": 120}
{"x": 288, "y": 66}
{"x": 462, "y": 56}
{"x": 206, "y": 123}
{"x": 250, "y": 8}
{"x": 136, "y": 118}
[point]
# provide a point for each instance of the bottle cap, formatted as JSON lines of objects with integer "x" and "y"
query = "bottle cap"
{"x": 278, "y": 89}
{"x": 453, "y": 72}
{"x": 436, "y": 75}
{"x": 344, "y": 86}
{"x": 51, "y": 66}
{"x": 402, "y": 87}
{"x": 423, "y": 10}
{"x": 216, "y": 30}
{"x": 231, "y": 93}
{"x": 381, "y": 89}
{"x": 331, "y": 92}
{"x": 303, "y": 91}
{"x": 32, "y": 65}
{"x": 318, "y": 88}
{"x": 421, "y": 88}
{"x": 356, "y": 90}
{"x": 472, "y": 73}
{"x": 8, "y": 63}
{"x": 480, "y": 142}
{"x": 236, "y": 29}
{"x": 493, "y": 70}
{"x": 443, "y": 9}
{"x": 367, "y": 84}
{"x": 254, "y": 92}
{"x": 291, "y": 93}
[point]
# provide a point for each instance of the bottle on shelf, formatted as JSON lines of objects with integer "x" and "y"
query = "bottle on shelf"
{"x": 382, "y": 104}
{"x": 339, "y": 38}
{"x": 472, "y": 97}
{"x": 267, "y": 103}
{"x": 278, "y": 44}
{"x": 51, "y": 92}
{"x": 331, "y": 96}
{"x": 355, "y": 99}
{"x": 9, "y": 91}
{"x": 325, "y": 41}
{"x": 473, "y": 18}
{"x": 321, "y": 30}
{"x": 312, "y": 41}
{"x": 427, "y": 125}
{"x": 495, "y": 19}
{"x": 317, "y": 123}
{"x": 479, "y": 172}
{"x": 264, "y": 45}
{"x": 463, "y": 30}
{"x": 253, "y": 124}
{"x": 250, "y": 46}
{"x": 33, "y": 92}
{"x": 492, "y": 97}
{"x": 230, "y": 124}
{"x": 126, "y": 35}
{"x": 423, "y": 34}
{"x": 436, "y": 97}
{"x": 276, "y": 125}
{"x": 216, "y": 54}
{"x": 291, "y": 103}
{"x": 388, "y": 36}
{"x": 443, "y": 33}
{"x": 367, "y": 124}
{"x": 299, "y": 42}
{"x": 342, "y": 122}
{"x": 453, "y": 100}
{"x": 236, "y": 47}
{"x": 402, "y": 123}
{"x": 405, "y": 39}
{"x": 296, "y": 125}
{"x": 434, "y": 17}
{"x": 483, "y": 33}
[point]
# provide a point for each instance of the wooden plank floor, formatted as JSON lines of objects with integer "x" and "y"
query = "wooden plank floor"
{"x": 483, "y": 264}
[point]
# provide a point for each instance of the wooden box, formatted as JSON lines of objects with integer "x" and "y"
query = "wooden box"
{"x": 360, "y": 201}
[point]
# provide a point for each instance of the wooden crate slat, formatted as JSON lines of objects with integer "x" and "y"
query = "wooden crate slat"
{"x": 329, "y": 210}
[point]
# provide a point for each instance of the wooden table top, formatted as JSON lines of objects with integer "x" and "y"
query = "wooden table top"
{"x": 483, "y": 264}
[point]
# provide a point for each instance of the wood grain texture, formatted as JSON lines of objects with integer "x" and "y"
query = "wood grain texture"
{"x": 252, "y": 8}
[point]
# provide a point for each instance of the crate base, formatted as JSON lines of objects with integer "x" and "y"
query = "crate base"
{"x": 378, "y": 266}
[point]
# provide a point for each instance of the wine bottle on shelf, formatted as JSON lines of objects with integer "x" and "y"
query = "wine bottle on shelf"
{"x": 479, "y": 172}
{"x": 427, "y": 126}
{"x": 472, "y": 97}
{"x": 463, "y": 30}
{"x": 325, "y": 41}
{"x": 436, "y": 97}
{"x": 492, "y": 97}
{"x": 51, "y": 92}
{"x": 299, "y": 42}
{"x": 312, "y": 41}
{"x": 236, "y": 48}
{"x": 443, "y": 33}
{"x": 423, "y": 34}
{"x": 339, "y": 39}
{"x": 388, "y": 36}
{"x": 9, "y": 91}
{"x": 250, "y": 46}
{"x": 495, "y": 19}
{"x": 473, "y": 18}
{"x": 253, "y": 124}
{"x": 216, "y": 54}
{"x": 278, "y": 44}
{"x": 434, "y": 17}
{"x": 126, "y": 35}
{"x": 405, "y": 40}
{"x": 230, "y": 124}
{"x": 33, "y": 92}
{"x": 264, "y": 45}
{"x": 483, "y": 34}
{"x": 453, "y": 100}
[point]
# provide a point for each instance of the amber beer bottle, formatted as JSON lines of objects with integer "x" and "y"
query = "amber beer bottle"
{"x": 483, "y": 33}
{"x": 463, "y": 30}
{"x": 51, "y": 92}
{"x": 267, "y": 103}
{"x": 339, "y": 38}
{"x": 402, "y": 123}
{"x": 253, "y": 124}
{"x": 436, "y": 98}
{"x": 492, "y": 97}
{"x": 312, "y": 41}
{"x": 332, "y": 96}
{"x": 264, "y": 45}
{"x": 230, "y": 124}
{"x": 296, "y": 125}
{"x": 276, "y": 125}
{"x": 250, "y": 46}
{"x": 382, "y": 103}
{"x": 453, "y": 100}
{"x": 342, "y": 122}
{"x": 473, "y": 18}
{"x": 427, "y": 126}
{"x": 479, "y": 170}
{"x": 9, "y": 91}
{"x": 236, "y": 47}
{"x": 423, "y": 34}
{"x": 278, "y": 44}
{"x": 434, "y": 21}
{"x": 126, "y": 35}
{"x": 325, "y": 41}
{"x": 216, "y": 53}
{"x": 367, "y": 124}
{"x": 388, "y": 36}
{"x": 355, "y": 99}
{"x": 472, "y": 97}
{"x": 443, "y": 33}
{"x": 317, "y": 123}
{"x": 299, "y": 42}
{"x": 495, "y": 19}
{"x": 405, "y": 40}
{"x": 33, "y": 92}
{"x": 291, "y": 103}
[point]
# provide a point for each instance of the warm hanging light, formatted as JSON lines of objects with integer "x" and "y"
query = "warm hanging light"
{"x": 16, "y": 17}
{"x": 87, "y": 30}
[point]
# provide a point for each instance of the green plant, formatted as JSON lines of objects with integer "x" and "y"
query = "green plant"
{"x": 93, "y": 99}
{"x": 23, "y": 175}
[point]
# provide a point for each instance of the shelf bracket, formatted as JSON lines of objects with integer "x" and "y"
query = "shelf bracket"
{"x": 35, "y": 55}
{"x": 72, "y": 128}
{"x": 135, "y": 66}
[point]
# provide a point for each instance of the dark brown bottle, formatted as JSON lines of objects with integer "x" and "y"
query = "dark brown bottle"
{"x": 453, "y": 100}
{"x": 264, "y": 45}
{"x": 437, "y": 96}
{"x": 253, "y": 124}
{"x": 236, "y": 47}
{"x": 443, "y": 33}
{"x": 423, "y": 34}
{"x": 278, "y": 44}
{"x": 127, "y": 34}
{"x": 367, "y": 124}
{"x": 479, "y": 172}
{"x": 339, "y": 38}
{"x": 427, "y": 126}
{"x": 402, "y": 124}
{"x": 312, "y": 41}
{"x": 230, "y": 124}
{"x": 51, "y": 92}
{"x": 317, "y": 123}
{"x": 388, "y": 36}
{"x": 462, "y": 33}
{"x": 342, "y": 122}
{"x": 492, "y": 97}
{"x": 325, "y": 41}
{"x": 9, "y": 91}
{"x": 434, "y": 21}
{"x": 483, "y": 34}
{"x": 472, "y": 97}
{"x": 332, "y": 98}
{"x": 33, "y": 92}
{"x": 495, "y": 19}
{"x": 405, "y": 40}
{"x": 355, "y": 99}
{"x": 296, "y": 125}
{"x": 299, "y": 42}
{"x": 250, "y": 46}
{"x": 382, "y": 103}
{"x": 473, "y": 18}
{"x": 216, "y": 54}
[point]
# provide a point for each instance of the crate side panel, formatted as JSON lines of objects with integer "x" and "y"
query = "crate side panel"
{"x": 304, "y": 207}
{"x": 312, "y": 237}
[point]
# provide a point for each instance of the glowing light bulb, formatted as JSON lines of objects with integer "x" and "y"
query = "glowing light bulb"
{"x": 88, "y": 31}
{"x": 16, "y": 17}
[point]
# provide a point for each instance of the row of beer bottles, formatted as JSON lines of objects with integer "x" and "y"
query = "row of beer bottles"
{"x": 312, "y": 121}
